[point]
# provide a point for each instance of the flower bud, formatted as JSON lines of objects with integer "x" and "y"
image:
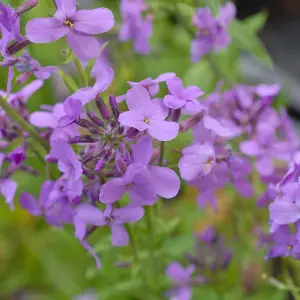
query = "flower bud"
{"x": 27, "y": 6}
{"x": 17, "y": 46}
{"x": 99, "y": 165}
{"x": 132, "y": 132}
{"x": 114, "y": 107}
{"x": 81, "y": 139}
{"x": 103, "y": 109}
{"x": 176, "y": 113}
{"x": 21, "y": 79}
{"x": 95, "y": 119}
{"x": 189, "y": 123}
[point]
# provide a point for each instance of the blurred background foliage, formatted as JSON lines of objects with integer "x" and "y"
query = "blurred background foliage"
{"x": 39, "y": 262}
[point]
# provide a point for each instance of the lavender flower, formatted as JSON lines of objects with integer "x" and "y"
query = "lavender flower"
{"x": 151, "y": 85}
{"x": 72, "y": 108}
{"x": 212, "y": 33}
{"x": 78, "y": 27}
{"x": 181, "y": 278}
{"x": 134, "y": 26}
{"x": 180, "y": 97}
{"x": 146, "y": 114}
{"x": 115, "y": 218}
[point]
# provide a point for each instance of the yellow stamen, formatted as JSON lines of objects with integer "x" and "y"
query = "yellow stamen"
{"x": 147, "y": 121}
{"x": 69, "y": 23}
{"x": 289, "y": 247}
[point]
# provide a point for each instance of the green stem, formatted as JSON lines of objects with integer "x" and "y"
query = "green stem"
{"x": 133, "y": 243}
{"x": 162, "y": 153}
{"x": 151, "y": 239}
{"x": 81, "y": 72}
{"x": 22, "y": 123}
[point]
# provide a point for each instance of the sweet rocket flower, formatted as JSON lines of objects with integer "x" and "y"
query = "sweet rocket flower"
{"x": 17, "y": 156}
{"x": 285, "y": 243}
{"x": 103, "y": 81}
{"x": 265, "y": 147}
{"x": 151, "y": 85}
{"x": 50, "y": 119}
{"x": 197, "y": 160}
{"x": 181, "y": 97}
{"x": 134, "y": 26}
{"x": 8, "y": 187}
{"x": 146, "y": 114}
{"x": 9, "y": 26}
{"x": 68, "y": 163}
{"x": 212, "y": 33}
{"x": 165, "y": 181}
{"x": 181, "y": 278}
{"x": 72, "y": 108}
{"x": 115, "y": 218}
{"x": 52, "y": 203}
{"x": 26, "y": 65}
{"x": 137, "y": 181}
{"x": 78, "y": 27}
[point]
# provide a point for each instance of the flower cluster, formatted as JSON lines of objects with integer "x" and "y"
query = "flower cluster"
{"x": 107, "y": 166}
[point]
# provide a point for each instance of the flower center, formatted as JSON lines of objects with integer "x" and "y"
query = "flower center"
{"x": 69, "y": 23}
{"x": 289, "y": 247}
{"x": 147, "y": 121}
{"x": 205, "y": 32}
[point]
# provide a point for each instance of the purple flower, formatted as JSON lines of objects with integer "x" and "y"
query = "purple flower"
{"x": 137, "y": 181}
{"x": 197, "y": 160}
{"x": 134, "y": 26}
{"x": 165, "y": 181}
{"x": 78, "y": 26}
{"x": 285, "y": 243}
{"x": 284, "y": 212}
{"x": 49, "y": 119}
{"x": 52, "y": 203}
{"x": 181, "y": 97}
{"x": 17, "y": 155}
{"x": 151, "y": 85}
{"x": 115, "y": 218}
{"x": 181, "y": 278}
{"x": 68, "y": 163}
{"x": 8, "y": 187}
{"x": 72, "y": 108}
{"x": 9, "y": 26}
{"x": 212, "y": 33}
{"x": 103, "y": 81}
{"x": 145, "y": 114}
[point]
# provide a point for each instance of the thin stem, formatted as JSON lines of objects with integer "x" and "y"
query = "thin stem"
{"x": 133, "y": 243}
{"x": 151, "y": 236}
{"x": 23, "y": 124}
{"x": 81, "y": 71}
{"x": 162, "y": 153}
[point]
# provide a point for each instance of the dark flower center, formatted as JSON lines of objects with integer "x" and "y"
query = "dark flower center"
{"x": 147, "y": 121}
{"x": 69, "y": 23}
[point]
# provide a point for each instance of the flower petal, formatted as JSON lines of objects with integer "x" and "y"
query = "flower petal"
{"x": 175, "y": 86}
{"x": 173, "y": 102}
{"x": 44, "y": 72}
{"x": 85, "y": 95}
{"x": 112, "y": 191}
{"x": 163, "y": 130}
{"x": 43, "y": 119}
{"x": 27, "y": 91}
{"x": 133, "y": 118}
{"x": 284, "y": 212}
{"x": 119, "y": 235}
{"x": 45, "y": 30}
{"x": 158, "y": 110}
{"x": 250, "y": 148}
{"x": 8, "y": 189}
{"x": 142, "y": 150}
{"x": 128, "y": 214}
{"x": 165, "y": 181}
{"x": 65, "y": 9}
{"x": 163, "y": 77}
{"x": 104, "y": 79}
{"x": 93, "y": 21}
{"x": 90, "y": 214}
{"x": 215, "y": 126}
{"x": 137, "y": 97}
{"x": 29, "y": 203}
{"x": 85, "y": 47}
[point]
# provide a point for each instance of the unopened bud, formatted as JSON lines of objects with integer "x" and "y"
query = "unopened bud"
{"x": 189, "y": 123}
{"x": 85, "y": 123}
{"x": 132, "y": 132}
{"x": 9, "y": 61}
{"x": 176, "y": 113}
{"x": 27, "y": 6}
{"x": 21, "y": 79}
{"x": 17, "y": 46}
{"x": 95, "y": 119}
{"x": 99, "y": 165}
{"x": 114, "y": 107}
{"x": 103, "y": 109}
{"x": 81, "y": 139}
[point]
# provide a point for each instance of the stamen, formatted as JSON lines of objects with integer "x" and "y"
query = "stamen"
{"x": 69, "y": 23}
{"x": 147, "y": 121}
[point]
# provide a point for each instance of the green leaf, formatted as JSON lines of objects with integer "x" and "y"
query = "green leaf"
{"x": 186, "y": 9}
{"x": 213, "y": 5}
{"x": 176, "y": 246}
{"x": 89, "y": 67}
{"x": 69, "y": 82}
{"x": 257, "y": 21}
{"x": 70, "y": 56}
{"x": 244, "y": 38}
